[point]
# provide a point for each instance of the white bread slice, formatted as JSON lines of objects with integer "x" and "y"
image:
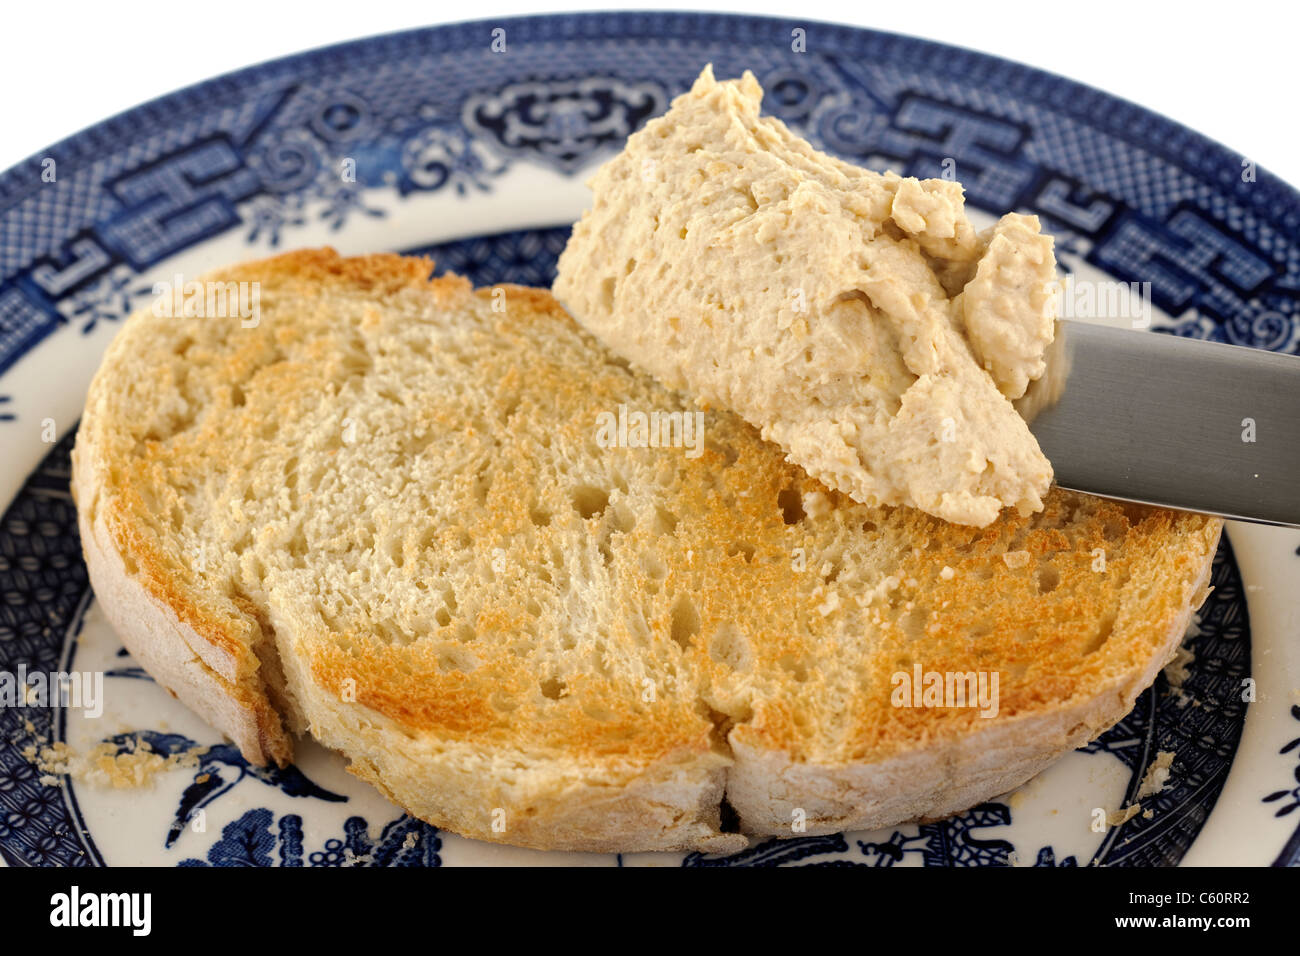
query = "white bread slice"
{"x": 383, "y": 516}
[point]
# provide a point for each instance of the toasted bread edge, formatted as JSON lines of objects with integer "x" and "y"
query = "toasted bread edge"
{"x": 950, "y": 775}
{"x": 659, "y": 808}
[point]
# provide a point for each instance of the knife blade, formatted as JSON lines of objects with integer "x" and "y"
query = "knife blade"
{"x": 1171, "y": 421}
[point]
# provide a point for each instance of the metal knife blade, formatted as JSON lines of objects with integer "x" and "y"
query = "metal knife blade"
{"x": 1171, "y": 421}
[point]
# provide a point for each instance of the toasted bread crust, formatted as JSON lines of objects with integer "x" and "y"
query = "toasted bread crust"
{"x": 952, "y": 772}
{"x": 163, "y": 643}
{"x": 588, "y": 767}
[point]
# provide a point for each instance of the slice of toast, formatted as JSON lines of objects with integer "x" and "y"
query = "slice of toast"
{"x": 421, "y": 523}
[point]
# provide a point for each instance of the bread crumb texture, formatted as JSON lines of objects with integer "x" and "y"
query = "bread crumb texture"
{"x": 1157, "y": 775}
{"x": 382, "y": 516}
{"x": 1117, "y": 818}
{"x": 104, "y": 765}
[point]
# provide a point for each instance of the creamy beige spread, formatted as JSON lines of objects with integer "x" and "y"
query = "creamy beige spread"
{"x": 856, "y": 318}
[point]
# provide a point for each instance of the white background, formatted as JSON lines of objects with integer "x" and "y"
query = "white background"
{"x": 1228, "y": 70}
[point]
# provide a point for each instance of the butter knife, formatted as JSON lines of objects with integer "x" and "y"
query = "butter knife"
{"x": 1171, "y": 421}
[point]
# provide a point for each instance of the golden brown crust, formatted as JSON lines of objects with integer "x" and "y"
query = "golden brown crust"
{"x": 930, "y": 772}
{"x": 160, "y": 639}
{"x": 766, "y": 613}
{"x": 378, "y": 273}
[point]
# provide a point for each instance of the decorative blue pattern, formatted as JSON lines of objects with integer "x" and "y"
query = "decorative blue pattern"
{"x": 1147, "y": 200}
{"x": 258, "y": 839}
{"x": 564, "y": 123}
{"x": 1288, "y": 801}
{"x": 1201, "y": 723}
{"x": 210, "y": 783}
{"x": 527, "y": 257}
{"x": 951, "y": 842}
{"x": 43, "y": 584}
{"x": 261, "y": 150}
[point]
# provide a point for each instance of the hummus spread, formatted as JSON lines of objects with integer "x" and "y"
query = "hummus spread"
{"x": 857, "y": 319}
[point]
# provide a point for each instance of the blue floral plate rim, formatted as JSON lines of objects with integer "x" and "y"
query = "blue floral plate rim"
{"x": 1266, "y": 197}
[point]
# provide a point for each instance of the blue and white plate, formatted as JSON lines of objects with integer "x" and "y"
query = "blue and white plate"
{"x": 471, "y": 142}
